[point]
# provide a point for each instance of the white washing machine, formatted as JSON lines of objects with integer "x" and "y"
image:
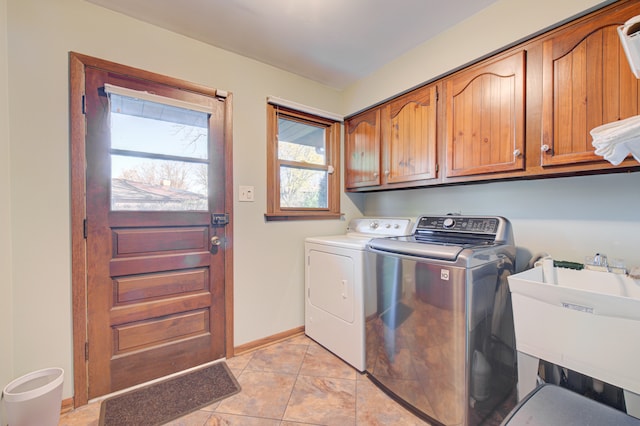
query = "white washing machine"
{"x": 334, "y": 292}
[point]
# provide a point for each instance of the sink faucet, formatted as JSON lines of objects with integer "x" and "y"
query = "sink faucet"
{"x": 601, "y": 260}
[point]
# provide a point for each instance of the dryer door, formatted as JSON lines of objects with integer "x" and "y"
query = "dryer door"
{"x": 331, "y": 277}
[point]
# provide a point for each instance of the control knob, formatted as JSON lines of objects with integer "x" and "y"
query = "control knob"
{"x": 448, "y": 223}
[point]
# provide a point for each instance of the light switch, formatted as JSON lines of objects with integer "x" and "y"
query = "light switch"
{"x": 246, "y": 193}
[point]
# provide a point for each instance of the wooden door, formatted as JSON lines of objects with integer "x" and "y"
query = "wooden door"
{"x": 485, "y": 118}
{"x": 362, "y": 150}
{"x": 155, "y": 271}
{"x": 587, "y": 82}
{"x": 409, "y": 137}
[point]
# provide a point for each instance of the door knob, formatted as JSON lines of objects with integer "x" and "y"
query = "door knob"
{"x": 215, "y": 243}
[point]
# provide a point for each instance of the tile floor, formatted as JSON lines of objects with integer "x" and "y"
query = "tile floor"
{"x": 295, "y": 382}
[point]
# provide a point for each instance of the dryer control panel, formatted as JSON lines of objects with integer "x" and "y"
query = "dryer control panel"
{"x": 381, "y": 227}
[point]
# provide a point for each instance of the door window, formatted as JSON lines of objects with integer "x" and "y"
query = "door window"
{"x": 159, "y": 155}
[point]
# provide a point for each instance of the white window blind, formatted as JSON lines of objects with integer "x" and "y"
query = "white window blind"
{"x": 304, "y": 108}
{"x": 146, "y": 96}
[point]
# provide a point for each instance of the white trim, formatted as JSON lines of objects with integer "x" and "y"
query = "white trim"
{"x": 146, "y": 96}
{"x": 303, "y": 108}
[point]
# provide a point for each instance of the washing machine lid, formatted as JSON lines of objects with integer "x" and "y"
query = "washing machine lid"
{"x": 448, "y": 237}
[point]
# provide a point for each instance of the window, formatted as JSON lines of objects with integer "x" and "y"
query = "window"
{"x": 303, "y": 172}
{"x": 159, "y": 152}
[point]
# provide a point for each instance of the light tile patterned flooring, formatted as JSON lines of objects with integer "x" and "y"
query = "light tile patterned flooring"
{"x": 294, "y": 382}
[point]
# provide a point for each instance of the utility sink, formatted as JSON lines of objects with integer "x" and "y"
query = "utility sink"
{"x": 588, "y": 322}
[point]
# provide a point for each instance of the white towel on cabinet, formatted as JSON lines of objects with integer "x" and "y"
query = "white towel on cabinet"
{"x": 615, "y": 140}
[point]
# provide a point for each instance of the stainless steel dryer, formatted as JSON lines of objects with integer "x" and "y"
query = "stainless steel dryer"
{"x": 439, "y": 325}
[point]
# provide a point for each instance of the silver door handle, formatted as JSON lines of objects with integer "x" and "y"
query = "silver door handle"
{"x": 216, "y": 241}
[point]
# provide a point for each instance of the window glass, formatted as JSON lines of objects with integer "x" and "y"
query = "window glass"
{"x": 149, "y": 184}
{"x": 152, "y": 136}
{"x": 301, "y": 142}
{"x": 159, "y": 156}
{"x": 303, "y": 188}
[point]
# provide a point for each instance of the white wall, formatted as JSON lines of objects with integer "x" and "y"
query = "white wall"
{"x": 268, "y": 256}
{"x": 569, "y": 218}
{"x": 500, "y": 24}
{"x": 6, "y": 292}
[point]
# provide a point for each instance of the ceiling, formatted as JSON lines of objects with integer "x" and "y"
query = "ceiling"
{"x": 333, "y": 42}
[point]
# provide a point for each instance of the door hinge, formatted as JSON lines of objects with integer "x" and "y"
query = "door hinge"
{"x": 220, "y": 219}
{"x": 86, "y": 351}
{"x": 84, "y": 104}
{"x": 84, "y": 228}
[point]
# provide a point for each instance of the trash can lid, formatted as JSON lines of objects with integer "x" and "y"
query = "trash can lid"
{"x": 33, "y": 385}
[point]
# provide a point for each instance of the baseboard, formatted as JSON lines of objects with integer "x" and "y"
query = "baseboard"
{"x": 266, "y": 341}
{"x": 67, "y": 405}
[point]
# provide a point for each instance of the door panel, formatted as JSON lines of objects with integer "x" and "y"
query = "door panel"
{"x": 155, "y": 291}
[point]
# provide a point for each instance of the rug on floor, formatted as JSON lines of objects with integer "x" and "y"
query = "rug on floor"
{"x": 167, "y": 400}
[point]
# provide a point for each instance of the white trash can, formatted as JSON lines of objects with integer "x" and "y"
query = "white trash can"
{"x": 34, "y": 399}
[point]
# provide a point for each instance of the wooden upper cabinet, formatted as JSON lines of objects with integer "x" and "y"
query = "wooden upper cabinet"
{"x": 362, "y": 150}
{"x": 587, "y": 82}
{"x": 409, "y": 137}
{"x": 485, "y": 118}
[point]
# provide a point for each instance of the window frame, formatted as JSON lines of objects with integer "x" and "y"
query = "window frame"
{"x": 332, "y": 154}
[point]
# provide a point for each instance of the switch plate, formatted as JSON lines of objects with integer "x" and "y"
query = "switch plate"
{"x": 246, "y": 193}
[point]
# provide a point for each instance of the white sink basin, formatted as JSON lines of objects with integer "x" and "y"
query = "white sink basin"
{"x": 588, "y": 322}
{"x": 600, "y": 293}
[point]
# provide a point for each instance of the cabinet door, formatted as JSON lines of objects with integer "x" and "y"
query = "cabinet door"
{"x": 409, "y": 137}
{"x": 586, "y": 82}
{"x": 362, "y": 150}
{"x": 485, "y": 118}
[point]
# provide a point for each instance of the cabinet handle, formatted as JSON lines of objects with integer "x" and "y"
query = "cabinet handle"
{"x": 386, "y": 172}
{"x": 517, "y": 153}
{"x": 375, "y": 174}
{"x": 545, "y": 148}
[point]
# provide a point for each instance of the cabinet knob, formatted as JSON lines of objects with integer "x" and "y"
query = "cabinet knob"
{"x": 545, "y": 148}
{"x": 375, "y": 174}
{"x": 386, "y": 172}
{"x": 517, "y": 153}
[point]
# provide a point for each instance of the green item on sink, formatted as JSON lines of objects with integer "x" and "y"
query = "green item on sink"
{"x": 569, "y": 265}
